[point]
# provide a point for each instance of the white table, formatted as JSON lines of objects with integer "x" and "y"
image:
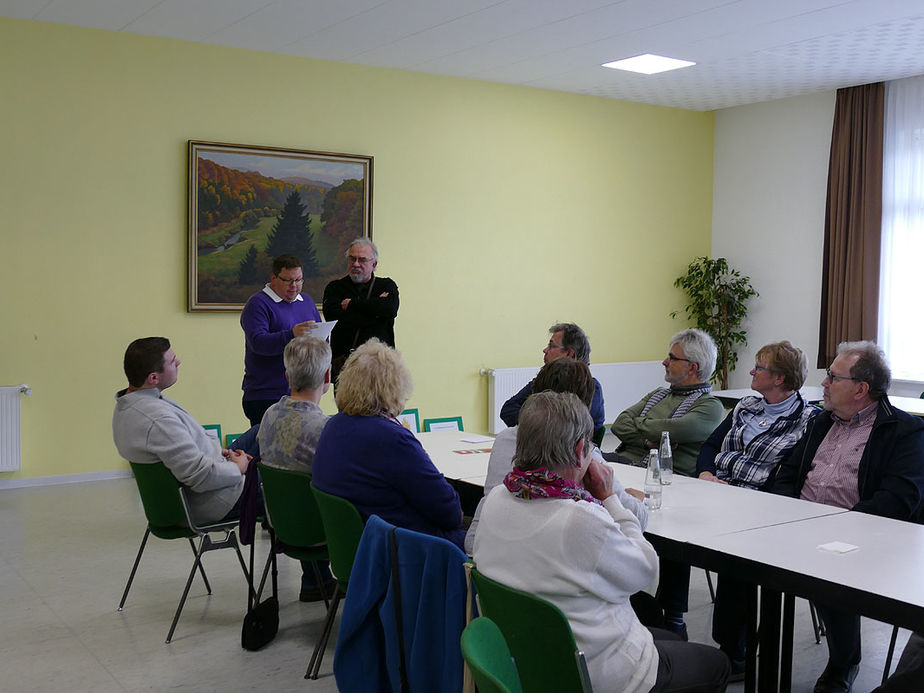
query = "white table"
{"x": 455, "y": 458}
{"x": 694, "y": 510}
{"x": 772, "y": 541}
{"x": 912, "y": 405}
{"x": 766, "y": 539}
{"x": 888, "y": 563}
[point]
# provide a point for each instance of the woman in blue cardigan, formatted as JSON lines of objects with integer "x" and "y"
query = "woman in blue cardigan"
{"x": 366, "y": 456}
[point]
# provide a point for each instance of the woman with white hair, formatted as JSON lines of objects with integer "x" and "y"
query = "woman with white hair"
{"x": 556, "y": 528}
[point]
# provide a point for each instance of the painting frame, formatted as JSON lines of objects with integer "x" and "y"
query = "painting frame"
{"x": 248, "y": 203}
{"x": 443, "y": 423}
{"x": 408, "y": 417}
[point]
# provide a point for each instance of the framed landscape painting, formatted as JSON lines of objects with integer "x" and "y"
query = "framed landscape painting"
{"x": 248, "y": 204}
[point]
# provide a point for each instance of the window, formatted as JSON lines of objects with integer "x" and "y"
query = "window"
{"x": 901, "y": 292}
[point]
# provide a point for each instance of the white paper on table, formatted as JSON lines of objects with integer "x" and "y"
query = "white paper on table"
{"x": 322, "y": 330}
{"x": 838, "y": 547}
{"x": 477, "y": 439}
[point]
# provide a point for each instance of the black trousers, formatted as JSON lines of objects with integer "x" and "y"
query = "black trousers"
{"x": 729, "y": 616}
{"x": 909, "y": 674}
{"x": 842, "y": 631}
{"x": 674, "y": 586}
{"x": 688, "y": 667}
{"x": 254, "y": 409}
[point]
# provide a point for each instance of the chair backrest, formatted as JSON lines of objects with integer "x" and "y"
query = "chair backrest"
{"x": 526, "y": 620}
{"x": 344, "y": 527}
{"x": 488, "y": 657}
{"x": 291, "y": 507}
{"x": 160, "y": 496}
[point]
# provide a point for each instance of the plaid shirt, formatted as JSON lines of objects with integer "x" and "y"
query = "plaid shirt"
{"x": 751, "y": 465}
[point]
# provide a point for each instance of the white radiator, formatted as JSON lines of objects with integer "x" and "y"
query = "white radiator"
{"x": 10, "y": 444}
{"x": 623, "y": 385}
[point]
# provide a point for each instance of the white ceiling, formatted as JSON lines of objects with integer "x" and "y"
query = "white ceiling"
{"x": 746, "y": 50}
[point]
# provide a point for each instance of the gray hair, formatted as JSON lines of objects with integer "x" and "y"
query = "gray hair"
{"x": 307, "y": 360}
{"x": 699, "y": 348}
{"x": 871, "y": 366}
{"x": 551, "y": 424}
{"x": 365, "y": 242}
{"x": 573, "y": 337}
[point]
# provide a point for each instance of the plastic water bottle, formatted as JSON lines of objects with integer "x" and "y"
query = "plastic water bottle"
{"x": 653, "y": 482}
{"x": 666, "y": 455}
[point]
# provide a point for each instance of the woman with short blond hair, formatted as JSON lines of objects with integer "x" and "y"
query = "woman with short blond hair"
{"x": 366, "y": 456}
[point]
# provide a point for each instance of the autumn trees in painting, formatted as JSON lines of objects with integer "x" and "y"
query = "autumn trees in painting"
{"x": 243, "y": 218}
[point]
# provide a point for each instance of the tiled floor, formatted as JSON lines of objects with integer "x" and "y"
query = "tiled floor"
{"x": 65, "y": 553}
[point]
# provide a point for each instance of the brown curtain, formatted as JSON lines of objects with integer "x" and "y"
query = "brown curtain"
{"x": 853, "y": 221}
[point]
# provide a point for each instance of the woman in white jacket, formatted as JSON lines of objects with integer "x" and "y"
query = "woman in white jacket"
{"x": 555, "y": 528}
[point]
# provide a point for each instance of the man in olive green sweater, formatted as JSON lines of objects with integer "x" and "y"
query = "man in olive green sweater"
{"x": 686, "y": 410}
{"x": 689, "y": 413}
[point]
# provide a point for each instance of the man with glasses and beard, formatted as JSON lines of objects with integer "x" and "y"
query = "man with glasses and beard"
{"x": 364, "y": 305}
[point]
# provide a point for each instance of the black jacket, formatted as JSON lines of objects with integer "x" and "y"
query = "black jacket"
{"x": 891, "y": 474}
{"x": 368, "y": 315}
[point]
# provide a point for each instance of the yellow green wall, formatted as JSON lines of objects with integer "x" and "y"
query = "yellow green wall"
{"x": 497, "y": 209}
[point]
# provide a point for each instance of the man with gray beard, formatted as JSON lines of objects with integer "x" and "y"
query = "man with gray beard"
{"x": 363, "y": 304}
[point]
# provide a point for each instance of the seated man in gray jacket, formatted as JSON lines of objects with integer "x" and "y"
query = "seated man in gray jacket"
{"x": 147, "y": 427}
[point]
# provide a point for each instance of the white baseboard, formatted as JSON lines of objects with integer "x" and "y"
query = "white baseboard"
{"x": 64, "y": 479}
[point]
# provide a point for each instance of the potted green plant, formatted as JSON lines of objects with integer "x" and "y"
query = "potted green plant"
{"x": 718, "y": 298}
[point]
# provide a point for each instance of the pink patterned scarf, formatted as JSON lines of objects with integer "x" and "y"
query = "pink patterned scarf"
{"x": 541, "y": 483}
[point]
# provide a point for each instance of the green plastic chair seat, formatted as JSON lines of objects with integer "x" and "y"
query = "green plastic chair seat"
{"x": 488, "y": 658}
{"x": 343, "y": 526}
{"x": 525, "y": 619}
{"x": 293, "y": 513}
{"x": 168, "y": 516}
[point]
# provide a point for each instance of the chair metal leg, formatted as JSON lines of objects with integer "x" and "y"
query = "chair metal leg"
{"x": 203, "y": 542}
{"x": 208, "y": 587}
{"x": 711, "y": 588}
{"x": 232, "y": 540}
{"x": 888, "y": 663}
{"x": 817, "y": 626}
{"x": 131, "y": 577}
{"x": 314, "y": 665}
{"x": 320, "y": 583}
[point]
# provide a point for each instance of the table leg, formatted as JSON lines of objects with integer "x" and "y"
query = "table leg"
{"x": 750, "y": 659}
{"x": 768, "y": 672}
{"x": 789, "y": 616}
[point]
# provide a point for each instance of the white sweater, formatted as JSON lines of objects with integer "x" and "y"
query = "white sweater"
{"x": 585, "y": 559}
{"x": 500, "y": 464}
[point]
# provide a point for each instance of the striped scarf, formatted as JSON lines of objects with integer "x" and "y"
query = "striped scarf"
{"x": 696, "y": 391}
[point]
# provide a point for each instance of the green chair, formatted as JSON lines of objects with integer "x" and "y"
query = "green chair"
{"x": 293, "y": 514}
{"x": 525, "y": 620}
{"x": 488, "y": 658}
{"x": 344, "y": 528}
{"x": 167, "y": 512}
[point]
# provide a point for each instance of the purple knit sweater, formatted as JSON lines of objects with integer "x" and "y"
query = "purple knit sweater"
{"x": 267, "y": 329}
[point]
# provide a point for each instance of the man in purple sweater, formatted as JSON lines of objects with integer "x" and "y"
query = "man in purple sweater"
{"x": 271, "y": 318}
